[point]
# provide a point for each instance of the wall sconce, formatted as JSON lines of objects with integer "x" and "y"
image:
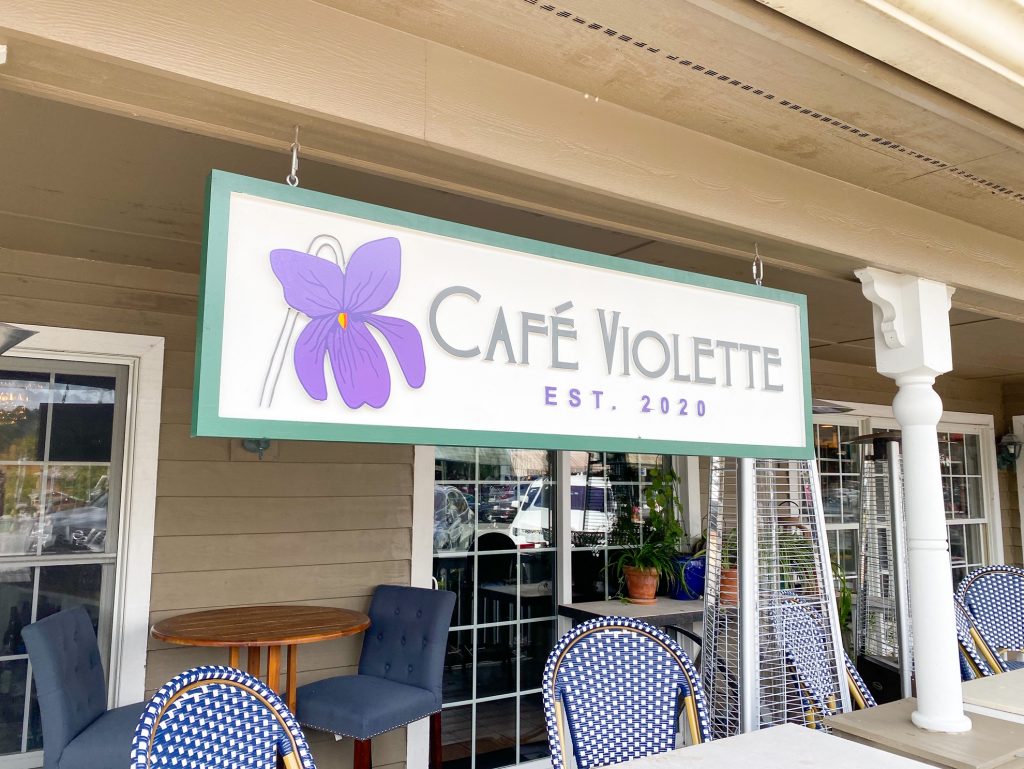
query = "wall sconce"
{"x": 1007, "y": 451}
{"x": 256, "y": 445}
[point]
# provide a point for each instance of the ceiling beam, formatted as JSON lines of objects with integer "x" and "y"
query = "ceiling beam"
{"x": 371, "y": 97}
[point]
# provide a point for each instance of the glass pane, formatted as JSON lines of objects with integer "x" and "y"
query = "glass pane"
{"x": 958, "y": 496}
{"x": 20, "y": 487}
{"x": 15, "y": 607}
{"x": 64, "y": 587}
{"x": 972, "y": 455}
{"x": 533, "y": 735}
{"x": 496, "y": 733}
{"x": 13, "y": 681}
{"x": 457, "y": 736}
{"x": 957, "y": 546}
{"x": 76, "y": 509}
{"x": 537, "y": 639}
{"x": 83, "y": 418}
{"x": 975, "y": 507}
{"x": 454, "y": 520}
{"x": 975, "y": 550}
{"x": 454, "y": 463}
{"x": 496, "y": 589}
{"x": 588, "y": 576}
{"x": 827, "y": 442}
{"x": 956, "y": 454}
{"x": 22, "y": 424}
{"x": 35, "y": 723}
{"x": 537, "y": 577}
{"x": 458, "y": 667}
{"x": 495, "y": 660}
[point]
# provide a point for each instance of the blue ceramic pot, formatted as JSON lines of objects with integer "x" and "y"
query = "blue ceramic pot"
{"x": 691, "y": 586}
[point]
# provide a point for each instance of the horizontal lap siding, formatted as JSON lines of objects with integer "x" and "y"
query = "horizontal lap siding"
{"x": 313, "y": 523}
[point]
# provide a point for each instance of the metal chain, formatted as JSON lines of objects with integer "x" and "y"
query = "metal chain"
{"x": 293, "y": 177}
{"x": 757, "y": 268}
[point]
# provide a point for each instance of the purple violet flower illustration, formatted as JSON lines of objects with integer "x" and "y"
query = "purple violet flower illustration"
{"x": 340, "y": 306}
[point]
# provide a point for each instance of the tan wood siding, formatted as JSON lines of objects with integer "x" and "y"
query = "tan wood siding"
{"x": 314, "y": 523}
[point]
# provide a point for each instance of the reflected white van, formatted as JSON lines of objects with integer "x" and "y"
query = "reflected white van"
{"x": 590, "y": 503}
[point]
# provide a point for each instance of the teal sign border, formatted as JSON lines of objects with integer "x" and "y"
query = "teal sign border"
{"x": 207, "y": 422}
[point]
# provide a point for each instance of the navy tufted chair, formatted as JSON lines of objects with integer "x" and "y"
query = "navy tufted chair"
{"x": 400, "y": 671}
{"x": 78, "y": 730}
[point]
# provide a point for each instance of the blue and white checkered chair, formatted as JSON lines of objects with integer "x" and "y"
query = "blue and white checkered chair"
{"x": 860, "y": 694}
{"x": 804, "y": 639}
{"x": 994, "y": 597}
{"x": 215, "y": 716}
{"x": 977, "y": 658}
{"x": 614, "y": 686}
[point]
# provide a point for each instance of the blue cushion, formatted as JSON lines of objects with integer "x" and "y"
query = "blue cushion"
{"x": 69, "y": 678}
{"x": 362, "y": 706}
{"x": 106, "y": 742}
{"x": 408, "y": 636}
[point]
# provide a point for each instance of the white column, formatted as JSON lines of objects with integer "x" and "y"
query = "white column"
{"x": 912, "y": 347}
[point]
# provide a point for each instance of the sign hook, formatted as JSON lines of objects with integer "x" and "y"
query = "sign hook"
{"x": 757, "y": 268}
{"x": 293, "y": 177}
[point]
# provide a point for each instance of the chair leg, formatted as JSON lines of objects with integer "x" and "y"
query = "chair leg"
{"x": 362, "y": 757}
{"x": 435, "y": 741}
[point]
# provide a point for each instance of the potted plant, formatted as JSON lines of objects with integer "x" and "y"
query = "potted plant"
{"x": 693, "y": 571}
{"x": 650, "y": 547}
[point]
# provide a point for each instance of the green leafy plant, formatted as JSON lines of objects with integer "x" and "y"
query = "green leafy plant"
{"x": 652, "y": 543}
{"x": 844, "y": 605}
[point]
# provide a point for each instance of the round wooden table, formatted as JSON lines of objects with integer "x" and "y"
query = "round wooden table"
{"x": 255, "y": 626}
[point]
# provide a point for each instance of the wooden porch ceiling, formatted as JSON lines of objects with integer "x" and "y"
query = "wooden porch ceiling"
{"x": 118, "y": 190}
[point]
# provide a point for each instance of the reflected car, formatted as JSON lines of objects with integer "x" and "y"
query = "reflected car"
{"x": 454, "y": 522}
{"x": 77, "y": 528}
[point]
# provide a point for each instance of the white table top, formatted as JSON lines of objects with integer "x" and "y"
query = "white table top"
{"x": 781, "y": 747}
{"x": 1003, "y": 692}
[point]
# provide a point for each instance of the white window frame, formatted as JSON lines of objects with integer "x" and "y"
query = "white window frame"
{"x": 143, "y": 356}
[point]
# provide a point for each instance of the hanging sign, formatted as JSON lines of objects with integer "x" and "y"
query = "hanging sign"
{"x": 325, "y": 318}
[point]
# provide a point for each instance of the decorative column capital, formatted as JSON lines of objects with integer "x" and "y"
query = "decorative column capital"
{"x": 911, "y": 317}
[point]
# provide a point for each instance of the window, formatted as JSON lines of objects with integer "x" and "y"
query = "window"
{"x": 495, "y": 545}
{"x": 968, "y": 478}
{"x": 61, "y": 448}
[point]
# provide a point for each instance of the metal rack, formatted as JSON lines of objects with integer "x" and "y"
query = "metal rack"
{"x": 766, "y": 547}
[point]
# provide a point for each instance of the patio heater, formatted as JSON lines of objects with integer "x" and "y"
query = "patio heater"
{"x": 882, "y": 637}
{"x": 766, "y": 549}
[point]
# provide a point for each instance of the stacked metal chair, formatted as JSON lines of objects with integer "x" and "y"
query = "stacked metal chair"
{"x": 808, "y": 655}
{"x": 994, "y": 599}
{"x": 613, "y": 687}
{"x": 216, "y": 716}
{"x": 976, "y": 656}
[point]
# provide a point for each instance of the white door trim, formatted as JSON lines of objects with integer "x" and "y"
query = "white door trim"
{"x": 144, "y": 357}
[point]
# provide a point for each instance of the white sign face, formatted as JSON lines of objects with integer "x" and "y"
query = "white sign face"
{"x": 329, "y": 319}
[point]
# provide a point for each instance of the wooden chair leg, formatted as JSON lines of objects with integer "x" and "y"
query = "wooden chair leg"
{"x": 435, "y": 741}
{"x": 362, "y": 757}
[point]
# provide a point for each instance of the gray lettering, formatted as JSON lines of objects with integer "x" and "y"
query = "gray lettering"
{"x": 650, "y": 373}
{"x": 625, "y": 351}
{"x": 562, "y": 328}
{"x": 702, "y": 348}
{"x": 750, "y": 349}
{"x": 676, "y": 374}
{"x": 609, "y": 335}
{"x": 501, "y": 334}
{"x": 530, "y": 326}
{"x": 436, "y": 333}
{"x": 770, "y": 358}
{"x": 728, "y": 347}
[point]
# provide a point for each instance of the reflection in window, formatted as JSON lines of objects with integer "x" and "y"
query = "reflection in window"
{"x": 57, "y": 444}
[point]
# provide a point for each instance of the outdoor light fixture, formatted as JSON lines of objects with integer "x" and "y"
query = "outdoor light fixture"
{"x": 256, "y": 445}
{"x": 1007, "y": 451}
{"x": 12, "y": 335}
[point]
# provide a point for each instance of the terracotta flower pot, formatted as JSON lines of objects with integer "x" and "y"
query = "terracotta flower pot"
{"x": 729, "y": 587}
{"x": 641, "y": 584}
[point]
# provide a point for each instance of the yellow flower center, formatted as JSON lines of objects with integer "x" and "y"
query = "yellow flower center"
{"x": 343, "y": 319}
